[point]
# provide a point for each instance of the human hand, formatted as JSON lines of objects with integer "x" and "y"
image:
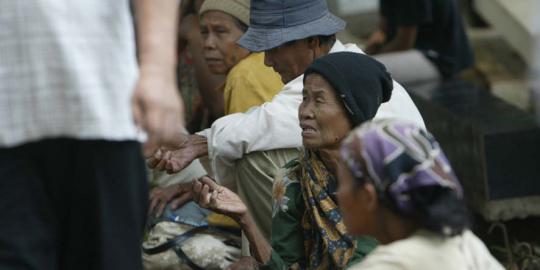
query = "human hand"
{"x": 209, "y": 194}
{"x": 173, "y": 160}
{"x": 375, "y": 42}
{"x": 175, "y": 195}
{"x": 158, "y": 108}
{"x": 244, "y": 263}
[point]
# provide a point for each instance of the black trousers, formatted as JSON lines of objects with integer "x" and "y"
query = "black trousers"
{"x": 72, "y": 204}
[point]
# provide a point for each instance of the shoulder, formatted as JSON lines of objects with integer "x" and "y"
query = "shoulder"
{"x": 402, "y": 254}
{"x": 286, "y": 189}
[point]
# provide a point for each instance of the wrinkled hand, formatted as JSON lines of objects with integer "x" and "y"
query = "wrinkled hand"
{"x": 173, "y": 160}
{"x": 158, "y": 108}
{"x": 244, "y": 263}
{"x": 209, "y": 194}
{"x": 175, "y": 195}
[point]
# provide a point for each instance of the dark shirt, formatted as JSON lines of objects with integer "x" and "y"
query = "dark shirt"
{"x": 441, "y": 36}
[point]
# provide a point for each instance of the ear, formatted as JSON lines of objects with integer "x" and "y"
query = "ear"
{"x": 368, "y": 196}
{"x": 313, "y": 43}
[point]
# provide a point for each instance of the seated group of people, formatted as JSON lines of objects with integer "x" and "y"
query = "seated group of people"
{"x": 334, "y": 168}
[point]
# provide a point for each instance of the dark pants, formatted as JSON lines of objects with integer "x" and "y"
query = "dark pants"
{"x": 72, "y": 204}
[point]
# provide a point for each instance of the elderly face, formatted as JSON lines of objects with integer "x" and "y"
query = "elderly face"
{"x": 323, "y": 119}
{"x": 220, "y": 33}
{"x": 289, "y": 60}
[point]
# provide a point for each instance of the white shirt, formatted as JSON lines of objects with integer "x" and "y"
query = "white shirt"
{"x": 275, "y": 124}
{"x": 67, "y": 69}
{"x": 427, "y": 251}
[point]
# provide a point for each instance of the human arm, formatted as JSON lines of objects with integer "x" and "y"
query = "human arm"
{"x": 403, "y": 40}
{"x": 175, "y": 159}
{"x": 210, "y": 195}
{"x": 378, "y": 37}
{"x": 156, "y": 103}
{"x": 175, "y": 195}
{"x": 401, "y": 22}
{"x": 273, "y": 125}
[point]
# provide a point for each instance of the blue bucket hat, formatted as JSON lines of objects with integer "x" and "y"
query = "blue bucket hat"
{"x": 275, "y": 22}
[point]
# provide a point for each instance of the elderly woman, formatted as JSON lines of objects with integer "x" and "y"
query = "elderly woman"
{"x": 341, "y": 90}
{"x": 249, "y": 82}
{"x": 398, "y": 186}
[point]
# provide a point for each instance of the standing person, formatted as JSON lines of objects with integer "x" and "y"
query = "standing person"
{"x": 72, "y": 181}
{"x": 421, "y": 40}
{"x": 398, "y": 187}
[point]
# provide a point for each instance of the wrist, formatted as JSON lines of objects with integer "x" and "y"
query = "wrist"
{"x": 244, "y": 220}
{"x": 200, "y": 145}
{"x": 158, "y": 70}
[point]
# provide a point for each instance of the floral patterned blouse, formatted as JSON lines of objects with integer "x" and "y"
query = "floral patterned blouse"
{"x": 287, "y": 234}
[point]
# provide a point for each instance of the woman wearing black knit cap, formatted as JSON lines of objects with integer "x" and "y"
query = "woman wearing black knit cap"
{"x": 341, "y": 90}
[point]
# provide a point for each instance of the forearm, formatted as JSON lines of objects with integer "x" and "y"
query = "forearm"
{"x": 207, "y": 81}
{"x": 156, "y": 35}
{"x": 260, "y": 248}
{"x": 199, "y": 145}
{"x": 404, "y": 40}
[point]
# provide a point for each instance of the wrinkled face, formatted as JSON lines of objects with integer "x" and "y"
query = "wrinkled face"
{"x": 289, "y": 60}
{"x": 354, "y": 202}
{"x": 220, "y": 32}
{"x": 322, "y": 115}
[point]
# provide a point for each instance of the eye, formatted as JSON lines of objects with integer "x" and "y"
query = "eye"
{"x": 221, "y": 30}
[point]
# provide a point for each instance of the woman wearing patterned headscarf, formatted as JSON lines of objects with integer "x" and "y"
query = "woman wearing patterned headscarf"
{"x": 397, "y": 185}
{"x": 341, "y": 90}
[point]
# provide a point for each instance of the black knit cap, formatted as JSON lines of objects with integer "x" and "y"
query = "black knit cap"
{"x": 360, "y": 81}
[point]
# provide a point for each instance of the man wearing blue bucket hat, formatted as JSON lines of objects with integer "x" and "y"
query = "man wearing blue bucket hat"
{"x": 292, "y": 33}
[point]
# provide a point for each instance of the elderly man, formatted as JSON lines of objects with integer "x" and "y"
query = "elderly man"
{"x": 292, "y": 33}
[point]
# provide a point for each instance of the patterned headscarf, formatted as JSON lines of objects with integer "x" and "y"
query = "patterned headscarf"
{"x": 399, "y": 158}
{"x": 326, "y": 242}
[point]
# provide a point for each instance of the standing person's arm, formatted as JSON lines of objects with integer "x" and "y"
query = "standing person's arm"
{"x": 157, "y": 106}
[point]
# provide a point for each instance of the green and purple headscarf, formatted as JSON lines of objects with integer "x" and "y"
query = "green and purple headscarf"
{"x": 400, "y": 158}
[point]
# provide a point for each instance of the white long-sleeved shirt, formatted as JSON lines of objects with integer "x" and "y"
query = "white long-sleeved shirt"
{"x": 275, "y": 124}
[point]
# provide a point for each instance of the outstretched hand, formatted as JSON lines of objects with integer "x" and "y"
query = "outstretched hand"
{"x": 175, "y": 195}
{"x": 209, "y": 194}
{"x": 173, "y": 160}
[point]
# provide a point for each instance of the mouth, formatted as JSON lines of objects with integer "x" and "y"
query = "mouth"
{"x": 307, "y": 130}
{"x": 213, "y": 60}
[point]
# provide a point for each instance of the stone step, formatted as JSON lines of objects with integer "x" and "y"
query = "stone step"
{"x": 517, "y": 21}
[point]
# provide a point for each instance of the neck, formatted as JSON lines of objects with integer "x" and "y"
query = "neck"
{"x": 394, "y": 227}
{"x": 331, "y": 159}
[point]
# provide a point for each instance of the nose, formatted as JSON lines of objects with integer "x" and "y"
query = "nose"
{"x": 209, "y": 42}
{"x": 305, "y": 111}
